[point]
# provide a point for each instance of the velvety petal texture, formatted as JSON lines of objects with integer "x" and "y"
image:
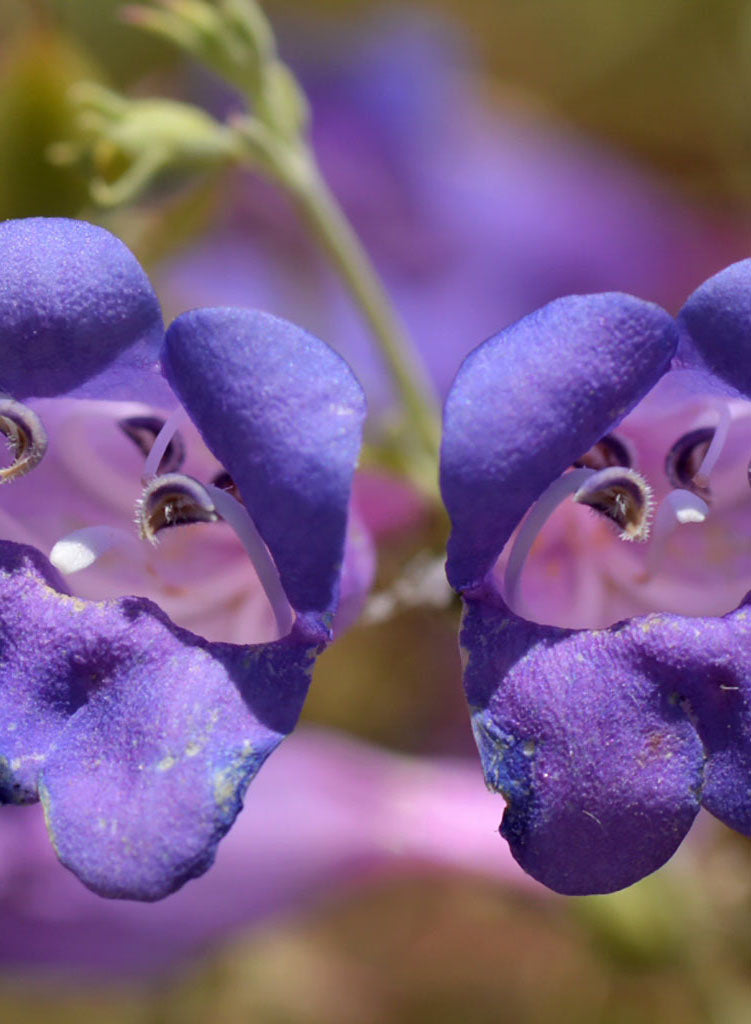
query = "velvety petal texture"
{"x": 531, "y": 400}
{"x": 707, "y": 662}
{"x": 587, "y": 741}
{"x": 139, "y": 737}
{"x": 716, "y": 328}
{"x": 78, "y": 315}
{"x": 283, "y": 413}
{"x": 606, "y": 743}
{"x": 39, "y": 688}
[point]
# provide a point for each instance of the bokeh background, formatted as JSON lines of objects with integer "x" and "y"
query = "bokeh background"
{"x": 492, "y": 155}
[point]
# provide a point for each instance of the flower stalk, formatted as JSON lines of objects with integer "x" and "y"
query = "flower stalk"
{"x": 323, "y": 214}
{"x": 235, "y": 40}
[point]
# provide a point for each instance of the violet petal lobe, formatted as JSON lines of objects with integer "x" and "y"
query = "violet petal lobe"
{"x": 706, "y": 664}
{"x": 39, "y": 685}
{"x": 149, "y": 736}
{"x": 77, "y": 313}
{"x": 715, "y": 324}
{"x": 601, "y": 767}
{"x": 530, "y": 401}
{"x": 283, "y": 413}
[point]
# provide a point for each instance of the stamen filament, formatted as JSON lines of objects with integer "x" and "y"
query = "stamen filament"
{"x": 717, "y": 443}
{"x": 237, "y": 517}
{"x": 143, "y": 431}
{"x": 161, "y": 443}
{"x": 538, "y": 515}
{"x": 81, "y": 548}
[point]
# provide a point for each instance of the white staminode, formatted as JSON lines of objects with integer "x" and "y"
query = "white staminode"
{"x": 538, "y": 515}
{"x": 161, "y": 443}
{"x": 81, "y": 548}
{"x": 233, "y": 513}
{"x": 686, "y": 507}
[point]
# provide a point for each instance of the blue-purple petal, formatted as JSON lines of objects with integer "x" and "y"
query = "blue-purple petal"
{"x": 531, "y": 400}
{"x": 706, "y": 663}
{"x": 78, "y": 315}
{"x": 39, "y": 686}
{"x": 716, "y": 329}
{"x": 140, "y": 737}
{"x": 600, "y": 764}
{"x": 150, "y": 774}
{"x": 283, "y": 413}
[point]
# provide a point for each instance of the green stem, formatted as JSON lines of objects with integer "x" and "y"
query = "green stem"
{"x": 318, "y": 206}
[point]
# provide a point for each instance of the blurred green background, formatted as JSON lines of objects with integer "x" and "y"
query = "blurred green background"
{"x": 667, "y": 85}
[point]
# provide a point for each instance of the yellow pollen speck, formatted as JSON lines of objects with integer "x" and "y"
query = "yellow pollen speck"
{"x": 224, "y": 788}
{"x": 44, "y": 798}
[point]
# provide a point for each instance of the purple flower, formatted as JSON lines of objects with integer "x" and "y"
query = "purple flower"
{"x": 138, "y": 736}
{"x": 604, "y": 742}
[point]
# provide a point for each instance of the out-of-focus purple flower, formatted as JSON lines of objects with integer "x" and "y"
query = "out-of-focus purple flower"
{"x": 360, "y": 813}
{"x": 605, "y": 742}
{"x": 138, "y": 736}
{"x": 473, "y": 217}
